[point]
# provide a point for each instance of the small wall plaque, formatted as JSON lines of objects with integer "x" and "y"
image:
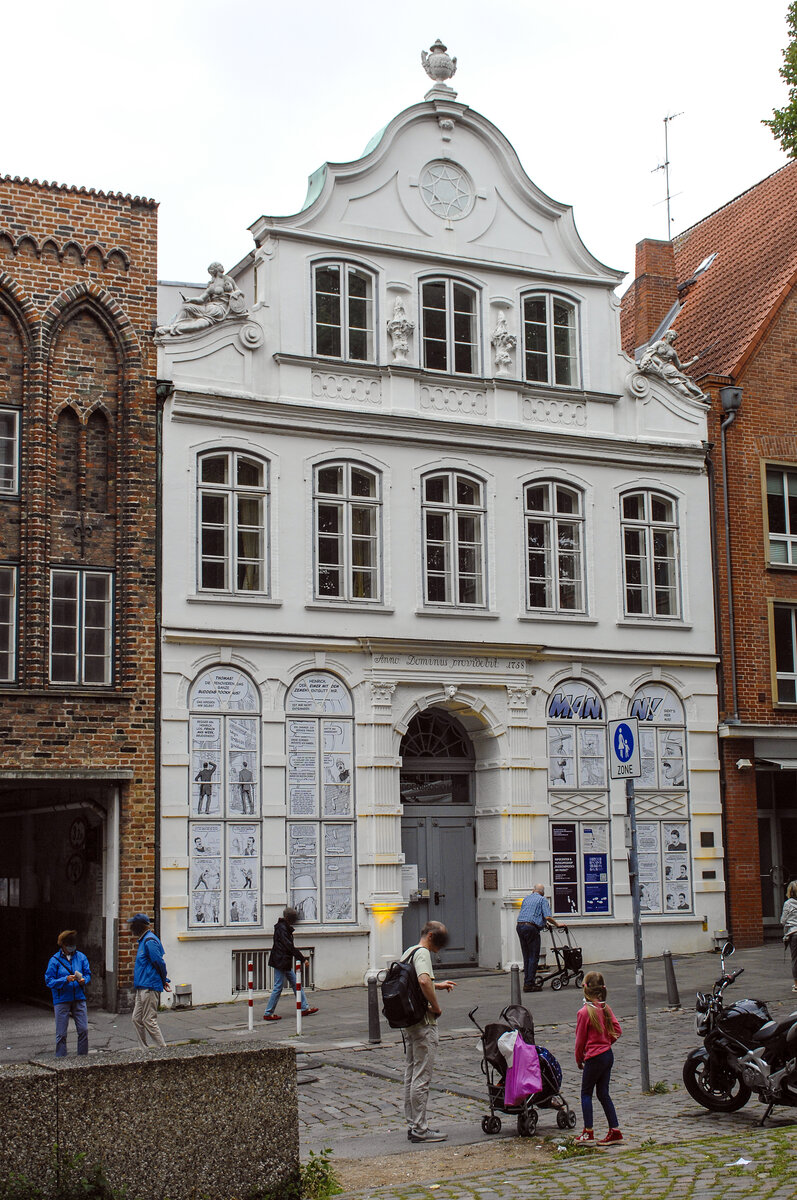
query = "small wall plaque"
{"x": 490, "y": 877}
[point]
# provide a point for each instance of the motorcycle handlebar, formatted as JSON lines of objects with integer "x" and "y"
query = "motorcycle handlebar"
{"x": 724, "y": 980}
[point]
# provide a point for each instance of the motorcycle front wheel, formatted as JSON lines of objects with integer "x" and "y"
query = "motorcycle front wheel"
{"x": 724, "y": 1093}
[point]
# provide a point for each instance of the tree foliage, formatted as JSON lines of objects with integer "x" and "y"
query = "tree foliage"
{"x": 784, "y": 120}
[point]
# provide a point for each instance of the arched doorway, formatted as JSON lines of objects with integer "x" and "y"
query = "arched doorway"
{"x": 438, "y": 831}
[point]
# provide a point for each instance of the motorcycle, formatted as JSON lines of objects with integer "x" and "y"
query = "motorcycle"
{"x": 743, "y": 1051}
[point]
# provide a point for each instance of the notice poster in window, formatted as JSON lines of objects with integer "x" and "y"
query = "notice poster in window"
{"x": 596, "y": 897}
{"x": 205, "y": 766}
{"x": 204, "y": 846}
{"x": 226, "y": 689}
{"x": 302, "y": 768}
{"x": 303, "y": 869}
{"x": 565, "y": 868}
{"x": 647, "y": 754}
{"x": 649, "y": 894}
{"x": 678, "y": 898}
{"x": 592, "y": 757}
{"x": 595, "y": 838}
{"x": 563, "y": 838}
{"x": 244, "y": 908}
{"x": 319, "y": 694}
{"x": 561, "y": 757}
{"x": 648, "y": 839}
{"x": 676, "y": 869}
{"x": 565, "y": 898}
{"x": 243, "y": 875}
{"x": 671, "y": 757}
{"x": 596, "y": 869}
{"x": 649, "y": 871}
{"x": 674, "y": 837}
{"x": 243, "y": 767}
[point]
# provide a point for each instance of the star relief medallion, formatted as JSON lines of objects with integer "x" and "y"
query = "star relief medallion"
{"x": 447, "y": 191}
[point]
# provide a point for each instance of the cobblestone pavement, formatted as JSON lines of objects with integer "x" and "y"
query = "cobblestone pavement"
{"x": 354, "y": 1103}
{"x": 699, "y": 1170}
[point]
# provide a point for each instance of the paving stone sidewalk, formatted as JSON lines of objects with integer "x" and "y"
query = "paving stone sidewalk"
{"x": 699, "y": 1170}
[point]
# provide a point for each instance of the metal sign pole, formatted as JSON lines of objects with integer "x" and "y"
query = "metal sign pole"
{"x": 633, "y": 871}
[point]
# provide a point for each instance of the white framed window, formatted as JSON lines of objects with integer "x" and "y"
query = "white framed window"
{"x": 554, "y": 521}
{"x": 649, "y": 525}
{"x": 347, "y": 509}
{"x": 450, "y": 327}
{"x": 453, "y": 539}
{"x": 550, "y": 340}
{"x": 80, "y": 626}
{"x": 9, "y": 451}
{"x": 782, "y": 515}
{"x": 784, "y": 621}
{"x": 224, "y": 833}
{"x": 8, "y": 623}
{"x": 319, "y": 743}
{"x": 343, "y": 313}
{"x": 233, "y": 518}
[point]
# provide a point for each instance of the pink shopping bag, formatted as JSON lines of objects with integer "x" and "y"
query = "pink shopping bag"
{"x": 524, "y": 1076}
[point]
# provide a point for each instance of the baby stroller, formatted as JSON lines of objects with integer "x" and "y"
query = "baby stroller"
{"x": 569, "y": 962}
{"x": 494, "y": 1067}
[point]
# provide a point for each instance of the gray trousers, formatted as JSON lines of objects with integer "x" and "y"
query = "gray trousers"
{"x": 421, "y": 1050}
{"x": 145, "y": 1017}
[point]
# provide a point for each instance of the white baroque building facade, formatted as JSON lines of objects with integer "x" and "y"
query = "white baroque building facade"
{"x": 426, "y": 530}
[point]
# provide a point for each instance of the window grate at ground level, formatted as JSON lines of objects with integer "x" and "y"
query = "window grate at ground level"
{"x": 263, "y": 973}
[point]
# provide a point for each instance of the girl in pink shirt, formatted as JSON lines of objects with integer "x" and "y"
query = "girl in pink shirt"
{"x": 596, "y": 1029}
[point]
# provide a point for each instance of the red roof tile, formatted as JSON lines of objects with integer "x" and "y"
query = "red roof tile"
{"x": 728, "y": 308}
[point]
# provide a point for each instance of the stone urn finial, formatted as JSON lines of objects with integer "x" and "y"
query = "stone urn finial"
{"x": 438, "y": 64}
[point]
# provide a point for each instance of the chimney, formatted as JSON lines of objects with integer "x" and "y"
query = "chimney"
{"x": 651, "y": 296}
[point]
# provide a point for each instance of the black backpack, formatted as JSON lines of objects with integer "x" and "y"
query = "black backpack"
{"x": 403, "y": 1001}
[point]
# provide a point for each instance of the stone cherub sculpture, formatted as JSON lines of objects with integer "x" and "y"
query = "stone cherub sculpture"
{"x": 400, "y": 329}
{"x": 222, "y": 298}
{"x": 503, "y": 343}
{"x": 662, "y": 359}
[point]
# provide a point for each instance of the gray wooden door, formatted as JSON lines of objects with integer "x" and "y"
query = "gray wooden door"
{"x": 442, "y": 844}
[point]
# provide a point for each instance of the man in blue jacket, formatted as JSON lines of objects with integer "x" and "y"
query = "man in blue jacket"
{"x": 67, "y": 975}
{"x": 149, "y": 980}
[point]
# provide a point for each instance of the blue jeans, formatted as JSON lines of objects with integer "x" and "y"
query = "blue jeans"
{"x": 597, "y": 1073}
{"x": 280, "y": 979}
{"x": 76, "y": 1009}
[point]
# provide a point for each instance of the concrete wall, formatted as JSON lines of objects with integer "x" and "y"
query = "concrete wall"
{"x": 188, "y": 1120}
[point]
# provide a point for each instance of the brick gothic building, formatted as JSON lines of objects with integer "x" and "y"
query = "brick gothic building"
{"x": 729, "y": 287}
{"x": 77, "y": 576}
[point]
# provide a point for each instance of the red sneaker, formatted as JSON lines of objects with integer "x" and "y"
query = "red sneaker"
{"x": 612, "y": 1136}
{"x": 308, "y": 1012}
{"x": 271, "y": 1017}
{"x": 585, "y": 1138}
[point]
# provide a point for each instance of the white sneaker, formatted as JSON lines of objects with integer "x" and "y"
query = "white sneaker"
{"x": 428, "y": 1135}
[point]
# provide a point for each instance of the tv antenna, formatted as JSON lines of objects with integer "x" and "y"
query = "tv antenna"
{"x": 665, "y": 167}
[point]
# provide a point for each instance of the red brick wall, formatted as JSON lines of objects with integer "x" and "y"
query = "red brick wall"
{"x": 765, "y": 430}
{"x": 77, "y": 304}
{"x": 650, "y": 297}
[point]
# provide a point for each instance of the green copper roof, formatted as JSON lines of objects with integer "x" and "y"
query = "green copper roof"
{"x": 315, "y": 184}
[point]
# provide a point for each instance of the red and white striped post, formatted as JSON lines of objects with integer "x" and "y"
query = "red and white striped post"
{"x": 250, "y": 987}
{"x": 298, "y": 970}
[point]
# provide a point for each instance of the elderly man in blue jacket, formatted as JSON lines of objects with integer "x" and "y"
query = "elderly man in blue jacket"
{"x": 67, "y": 976}
{"x": 149, "y": 980}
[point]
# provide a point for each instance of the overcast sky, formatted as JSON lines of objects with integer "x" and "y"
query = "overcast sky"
{"x": 220, "y": 109}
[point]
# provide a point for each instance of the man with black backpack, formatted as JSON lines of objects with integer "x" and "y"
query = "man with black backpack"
{"x": 420, "y": 1039}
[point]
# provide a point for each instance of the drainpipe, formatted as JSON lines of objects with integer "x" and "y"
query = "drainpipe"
{"x": 731, "y": 399}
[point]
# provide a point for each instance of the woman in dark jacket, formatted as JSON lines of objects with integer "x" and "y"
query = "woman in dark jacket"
{"x": 282, "y": 958}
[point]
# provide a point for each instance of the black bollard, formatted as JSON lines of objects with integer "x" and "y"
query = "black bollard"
{"x": 673, "y": 999}
{"x": 374, "y": 1031}
{"x": 514, "y": 984}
